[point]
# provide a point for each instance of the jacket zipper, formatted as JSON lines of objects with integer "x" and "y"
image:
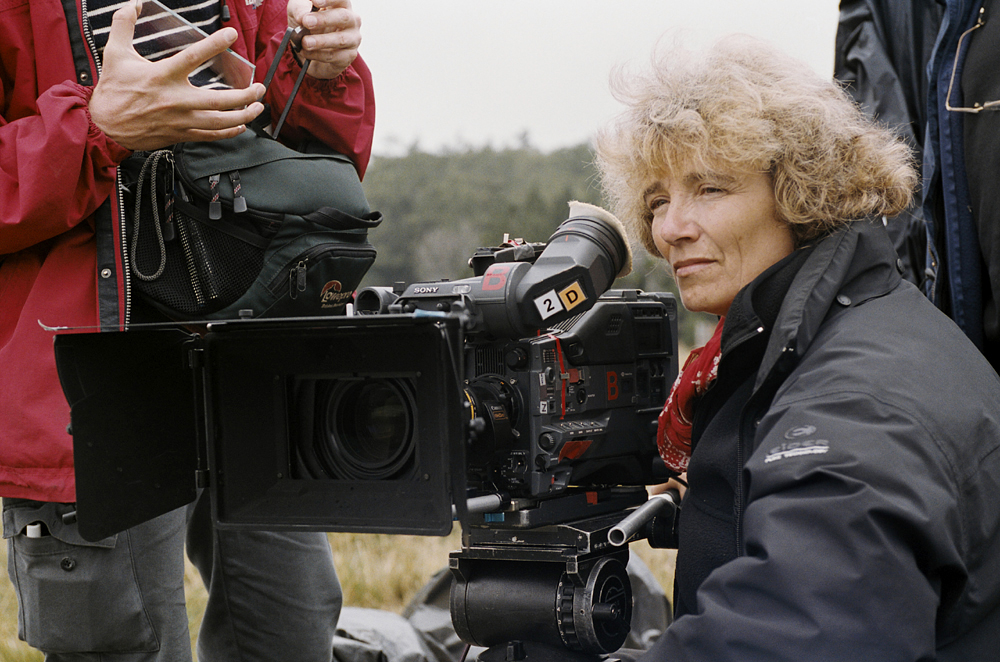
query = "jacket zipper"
{"x": 749, "y": 420}
{"x": 88, "y": 35}
{"x": 740, "y": 459}
{"x": 125, "y": 275}
{"x": 740, "y": 438}
{"x": 752, "y": 411}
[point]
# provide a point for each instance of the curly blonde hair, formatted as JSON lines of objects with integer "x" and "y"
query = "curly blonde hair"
{"x": 746, "y": 107}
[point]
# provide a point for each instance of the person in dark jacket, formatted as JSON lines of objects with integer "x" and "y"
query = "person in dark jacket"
{"x": 959, "y": 167}
{"x": 881, "y": 55}
{"x": 840, "y": 435}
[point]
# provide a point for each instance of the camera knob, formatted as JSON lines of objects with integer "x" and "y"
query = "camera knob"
{"x": 606, "y": 611}
{"x": 547, "y": 442}
{"x": 516, "y": 359}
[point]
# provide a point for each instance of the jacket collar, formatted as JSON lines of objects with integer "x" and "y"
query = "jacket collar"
{"x": 855, "y": 264}
{"x": 755, "y": 308}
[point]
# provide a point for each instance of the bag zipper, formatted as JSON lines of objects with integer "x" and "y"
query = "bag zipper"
{"x": 214, "y": 196}
{"x": 294, "y": 278}
{"x": 239, "y": 202}
{"x": 194, "y": 279}
{"x": 297, "y": 279}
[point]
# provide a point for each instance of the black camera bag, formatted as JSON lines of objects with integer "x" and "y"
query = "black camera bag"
{"x": 216, "y": 229}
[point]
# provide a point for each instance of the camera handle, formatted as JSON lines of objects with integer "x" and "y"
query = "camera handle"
{"x": 660, "y": 509}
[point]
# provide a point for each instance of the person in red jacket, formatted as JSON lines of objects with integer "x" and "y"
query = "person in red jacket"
{"x": 271, "y": 595}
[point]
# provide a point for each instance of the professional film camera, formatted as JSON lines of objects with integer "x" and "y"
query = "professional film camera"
{"x": 521, "y": 402}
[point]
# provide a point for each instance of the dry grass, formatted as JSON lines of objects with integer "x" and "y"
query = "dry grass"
{"x": 376, "y": 571}
{"x": 384, "y": 572}
{"x": 11, "y": 648}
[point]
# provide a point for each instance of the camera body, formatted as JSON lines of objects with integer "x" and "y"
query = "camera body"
{"x": 527, "y": 382}
{"x": 573, "y": 406}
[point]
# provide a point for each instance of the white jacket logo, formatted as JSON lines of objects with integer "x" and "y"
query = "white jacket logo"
{"x": 798, "y": 448}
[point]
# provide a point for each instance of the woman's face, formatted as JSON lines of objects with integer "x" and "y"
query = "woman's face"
{"x": 718, "y": 231}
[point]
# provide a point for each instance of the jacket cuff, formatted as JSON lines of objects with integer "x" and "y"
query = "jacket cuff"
{"x": 322, "y": 86}
{"x": 115, "y": 152}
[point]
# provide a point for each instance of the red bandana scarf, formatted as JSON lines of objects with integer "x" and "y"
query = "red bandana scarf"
{"x": 673, "y": 433}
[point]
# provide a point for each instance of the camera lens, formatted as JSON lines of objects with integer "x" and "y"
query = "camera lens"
{"x": 498, "y": 404}
{"x": 366, "y": 429}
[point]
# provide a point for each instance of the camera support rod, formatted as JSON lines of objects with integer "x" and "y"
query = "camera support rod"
{"x": 487, "y": 503}
{"x": 658, "y": 504}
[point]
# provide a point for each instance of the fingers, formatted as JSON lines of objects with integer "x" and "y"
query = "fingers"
{"x": 299, "y": 9}
{"x": 333, "y": 37}
{"x": 189, "y": 59}
{"x": 215, "y": 121}
{"x": 211, "y": 125}
{"x": 123, "y": 27}
{"x": 209, "y": 135}
{"x": 334, "y": 26}
{"x": 333, "y": 20}
{"x": 214, "y": 111}
{"x": 333, "y": 40}
{"x": 226, "y": 118}
{"x": 327, "y": 47}
{"x": 226, "y": 100}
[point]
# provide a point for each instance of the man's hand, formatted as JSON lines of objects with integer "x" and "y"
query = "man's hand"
{"x": 145, "y": 105}
{"x": 334, "y": 34}
{"x": 679, "y": 484}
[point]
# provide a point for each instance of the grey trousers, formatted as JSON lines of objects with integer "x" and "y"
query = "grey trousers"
{"x": 271, "y": 595}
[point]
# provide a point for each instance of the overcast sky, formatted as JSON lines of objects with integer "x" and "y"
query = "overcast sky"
{"x": 456, "y": 73}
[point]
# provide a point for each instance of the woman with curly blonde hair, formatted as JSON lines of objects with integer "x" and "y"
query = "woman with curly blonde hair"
{"x": 840, "y": 436}
{"x": 747, "y": 107}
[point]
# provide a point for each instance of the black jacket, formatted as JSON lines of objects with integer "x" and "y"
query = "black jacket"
{"x": 844, "y": 488}
{"x": 881, "y": 54}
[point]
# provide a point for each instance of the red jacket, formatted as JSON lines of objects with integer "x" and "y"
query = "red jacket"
{"x": 58, "y": 224}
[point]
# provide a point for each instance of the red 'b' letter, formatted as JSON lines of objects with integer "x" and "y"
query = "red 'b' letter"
{"x": 495, "y": 277}
{"x": 612, "y": 385}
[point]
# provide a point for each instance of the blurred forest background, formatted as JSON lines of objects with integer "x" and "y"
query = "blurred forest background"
{"x": 440, "y": 207}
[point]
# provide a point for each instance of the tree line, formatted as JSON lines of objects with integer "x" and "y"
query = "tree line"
{"x": 439, "y": 208}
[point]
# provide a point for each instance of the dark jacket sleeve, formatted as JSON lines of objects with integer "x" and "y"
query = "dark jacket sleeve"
{"x": 881, "y": 54}
{"x": 849, "y": 541}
